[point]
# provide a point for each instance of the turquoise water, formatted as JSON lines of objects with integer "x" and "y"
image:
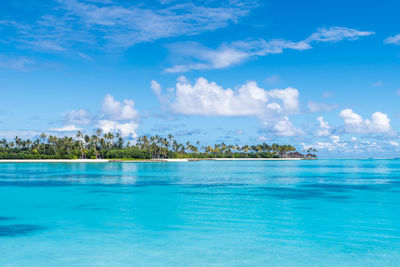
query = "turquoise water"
{"x": 209, "y": 213}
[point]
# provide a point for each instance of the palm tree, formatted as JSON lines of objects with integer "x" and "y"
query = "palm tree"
{"x": 79, "y": 137}
{"x": 4, "y": 143}
{"x": 188, "y": 146}
{"x": 68, "y": 144}
{"x": 28, "y": 144}
{"x": 53, "y": 143}
{"x": 43, "y": 136}
{"x": 99, "y": 144}
{"x": 18, "y": 142}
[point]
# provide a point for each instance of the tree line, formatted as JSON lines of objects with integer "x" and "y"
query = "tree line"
{"x": 112, "y": 146}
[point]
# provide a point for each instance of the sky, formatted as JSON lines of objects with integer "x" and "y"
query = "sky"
{"x": 321, "y": 74}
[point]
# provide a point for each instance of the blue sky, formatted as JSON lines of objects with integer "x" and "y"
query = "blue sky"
{"x": 310, "y": 73}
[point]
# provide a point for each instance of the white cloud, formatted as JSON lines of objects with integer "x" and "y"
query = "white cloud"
{"x": 354, "y": 123}
{"x": 336, "y": 140}
{"x": 79, "y": 117}
{"x": 353, "y": 146}
{"x": 9, "y": 134}
{"x": 320, "y": 107}
{"x": 289, "y": 97}
{"x": 116, "y": 26}
{"x": 115, "y": 116}
{"x": 209, "y": 99}
{"x": 281, "y": 126}
{"x": 324, "y": 128}
{"x": 393, "y": 40}
{"x": 117, "y": 111}
{"x": 164, "y": 98}
{"x": 17, "y": 63}
{"x": 222, "y": 57}
{"x": 333, "y": 144}
{"x": 200, "y": 57}
{"x": 127, "y": 129}
{"x": 119, "y": 116}
{"x": 336, "y": 34}
{"x": 393, "y": 143}
{"x": 66, "y": 128}
{"x": 262, "y": 138}
{"x": 156, "y": 87}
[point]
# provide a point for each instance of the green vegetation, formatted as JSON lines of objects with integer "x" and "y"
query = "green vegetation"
{"x": 113, "y": 146}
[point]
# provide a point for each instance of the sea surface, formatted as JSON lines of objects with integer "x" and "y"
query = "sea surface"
{"x": 208, "y": 213}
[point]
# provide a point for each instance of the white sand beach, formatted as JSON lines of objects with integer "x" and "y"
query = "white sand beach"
{"x": 257, "y": 159}
{"x": 137, "y": 161}
{"x": 54, "y": 160}
{"x": 216, "y": 159}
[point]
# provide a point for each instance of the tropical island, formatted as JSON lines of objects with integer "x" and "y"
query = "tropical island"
{"x": 113, "y": 146}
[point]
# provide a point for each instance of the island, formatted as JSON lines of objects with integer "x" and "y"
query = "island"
{"x": 112, "y": 146}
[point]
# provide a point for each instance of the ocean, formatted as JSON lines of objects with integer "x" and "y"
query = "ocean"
{"x": 206, "y": 213}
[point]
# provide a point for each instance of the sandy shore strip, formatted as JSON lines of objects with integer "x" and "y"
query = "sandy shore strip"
{"x": 256, "y": 159}
{"x": 216, "y": 159}
{"x": 54, "y": 160}
{"x": 133, "y": 161}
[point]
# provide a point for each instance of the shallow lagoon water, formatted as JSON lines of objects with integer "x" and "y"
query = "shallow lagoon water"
{"x": 207, "y": 213}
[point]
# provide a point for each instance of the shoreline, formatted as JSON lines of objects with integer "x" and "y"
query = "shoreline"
{"x": 54, "y": 160}
{"x": 138, "y": 161}
{"x": 169, "y": 160}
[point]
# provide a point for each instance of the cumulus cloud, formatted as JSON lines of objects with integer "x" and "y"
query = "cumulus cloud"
{"x": 393, "y": 143}
{"x": 9, "y": 134}
{"x": 117, "y": 116}
{"x": 262, "y": 138}
{"x": 66, "y": 128}
{"x": 324, "y": 127}
{"x": 334, "y": 143}
{"x": 200, "y": 57}
{"x": 354, "y": 123}
{"x": 127, "y": 129}
{"x": 280, "y": 125}
{"x": 393, "y": 40}
{"x": 206, "y": 98}
{"x": 288, "y": 96}
{"x": 337, "y": 141}
{"x": 353, "y": 146}
{"x": 79, "y": 117}
{"x": 117, "y": 111}
{"x": 209, "y": 99}
{"x": 114, "y": 116}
